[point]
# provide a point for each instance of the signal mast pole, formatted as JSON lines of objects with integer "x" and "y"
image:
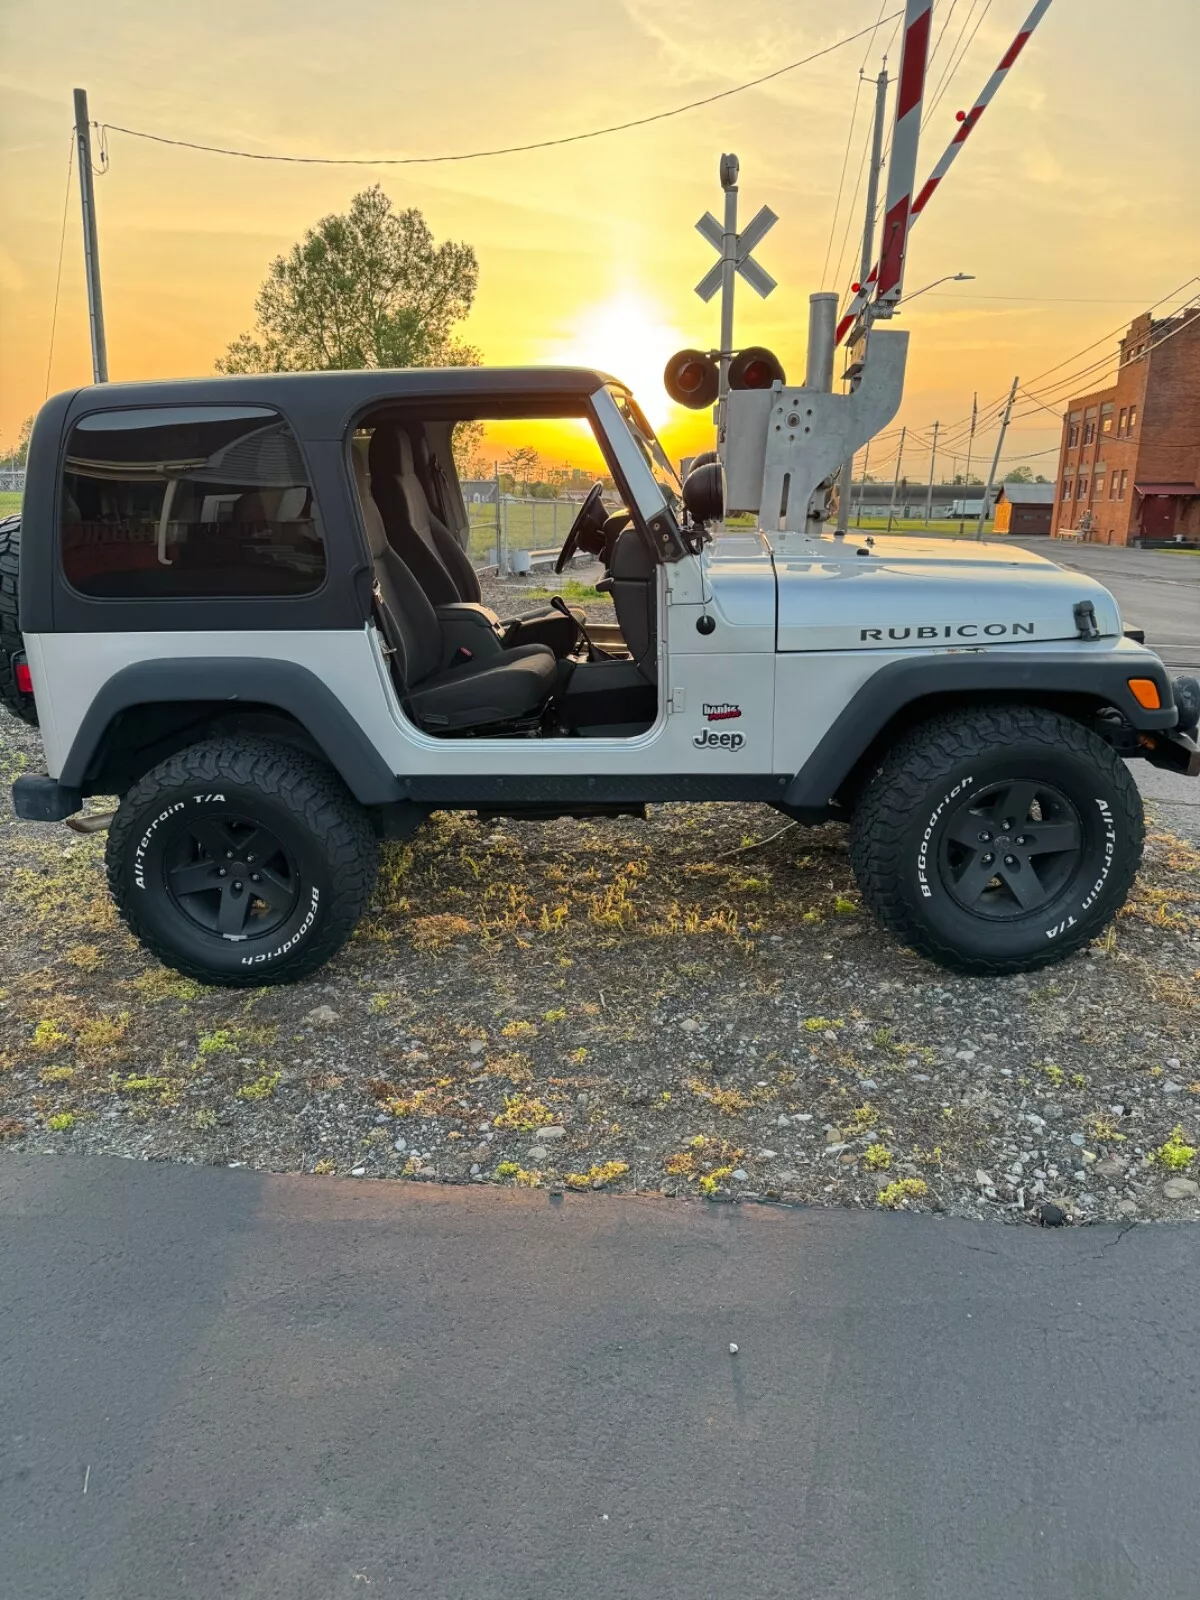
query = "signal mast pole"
{"x": 846, "y": 481}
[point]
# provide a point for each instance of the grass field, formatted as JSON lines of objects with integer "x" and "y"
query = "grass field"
{"x": 919, "y": 525}
{"x": 10, "y": 501}
{"x": 531, "y": 525}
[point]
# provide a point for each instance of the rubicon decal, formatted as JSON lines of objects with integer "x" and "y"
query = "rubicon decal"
{"x": 722, "y": 711}
{"x": 929, "y": 631}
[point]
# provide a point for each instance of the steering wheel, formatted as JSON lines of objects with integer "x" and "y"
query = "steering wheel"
{"x": 585, "y": 519}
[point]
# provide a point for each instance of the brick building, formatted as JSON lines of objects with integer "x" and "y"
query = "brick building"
{"x": 1130, "y": 454}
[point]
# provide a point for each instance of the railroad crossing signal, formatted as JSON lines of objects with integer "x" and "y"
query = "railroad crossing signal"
{"x": 755, "y": 230}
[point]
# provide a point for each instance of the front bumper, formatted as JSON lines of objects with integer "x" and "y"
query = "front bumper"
{"x": 1176, "y": 752}
{"x": 37, "y": 798}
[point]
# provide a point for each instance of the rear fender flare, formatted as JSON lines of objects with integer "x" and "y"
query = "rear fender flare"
{"x": 235, "y": 680}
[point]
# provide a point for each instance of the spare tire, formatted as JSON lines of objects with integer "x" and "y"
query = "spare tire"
{"x": 12, "y": 645}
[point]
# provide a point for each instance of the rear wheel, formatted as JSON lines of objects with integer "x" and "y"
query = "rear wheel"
{"x": 999, "y": 840}
{"x": 241, "y": 862}
{"x": 19, "y": 701}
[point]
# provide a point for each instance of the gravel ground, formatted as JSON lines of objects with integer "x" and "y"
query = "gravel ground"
{"x": 692, "y": 1005}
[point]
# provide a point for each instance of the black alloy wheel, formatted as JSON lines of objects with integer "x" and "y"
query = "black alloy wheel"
{"x": 231, "y": 876}
{"x": 1009, "y": 849}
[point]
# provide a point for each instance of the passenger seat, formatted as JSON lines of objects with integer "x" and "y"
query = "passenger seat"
{"x": 509, "y": 686}
{"x": 430, "y": 550}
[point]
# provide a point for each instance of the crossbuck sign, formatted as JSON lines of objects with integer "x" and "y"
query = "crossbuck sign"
{"x": 756, "y": 230}
{"x": 734, "y": 250}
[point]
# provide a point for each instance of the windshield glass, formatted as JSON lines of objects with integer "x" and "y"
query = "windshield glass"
{"x": 652, "y": 452}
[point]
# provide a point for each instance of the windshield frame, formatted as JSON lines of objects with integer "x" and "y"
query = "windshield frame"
{"x": 658, "y": 463}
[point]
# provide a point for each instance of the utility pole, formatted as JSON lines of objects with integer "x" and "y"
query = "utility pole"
{"x": 929, "y": 491}
{"x": 987, "y": 493}
{"x": 896, "y": 480}
{"x": 966, "y": 483}
{"x": 862, "y": 488}
{"x": 91, "y": 253}
{"x": 868, "y": 249}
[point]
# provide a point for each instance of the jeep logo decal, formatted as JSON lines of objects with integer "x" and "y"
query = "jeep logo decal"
{"x": 707, "y": 739}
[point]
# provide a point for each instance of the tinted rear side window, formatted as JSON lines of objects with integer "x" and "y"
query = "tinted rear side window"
{"x": 188, "y": 502}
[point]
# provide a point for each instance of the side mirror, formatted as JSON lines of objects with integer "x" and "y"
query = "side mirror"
{"x": 755, "y": 368}
{"x": 704, "y": 492}
{"x": 692, "y": 379}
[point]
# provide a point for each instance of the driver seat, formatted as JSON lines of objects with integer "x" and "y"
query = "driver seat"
{"x": 431, "y": 552}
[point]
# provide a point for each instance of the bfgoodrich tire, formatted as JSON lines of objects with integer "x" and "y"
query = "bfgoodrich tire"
{"x": 11, "y": 644}
{"x": 241, "y": 863}
{"x": 998, "y": 840}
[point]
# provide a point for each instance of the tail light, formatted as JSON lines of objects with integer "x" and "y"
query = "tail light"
{"x": 22, "y": 676}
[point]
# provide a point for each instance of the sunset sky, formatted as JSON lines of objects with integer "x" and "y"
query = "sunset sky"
{"x": 1074, "y": 202}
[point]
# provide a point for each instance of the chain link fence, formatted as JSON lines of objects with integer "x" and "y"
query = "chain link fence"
{"x": 513, "y": 532}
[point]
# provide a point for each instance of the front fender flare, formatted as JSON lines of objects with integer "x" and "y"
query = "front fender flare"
{"x": 1040, "y": 676}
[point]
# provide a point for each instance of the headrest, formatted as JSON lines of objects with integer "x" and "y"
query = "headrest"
{"x": 376, "y": 537}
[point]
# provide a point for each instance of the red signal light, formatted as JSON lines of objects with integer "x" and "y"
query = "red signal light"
{"x": 755, "y": 368}
{"x": 692, "y": 379}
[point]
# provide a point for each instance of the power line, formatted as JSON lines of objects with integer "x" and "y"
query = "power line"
{"x": 937, "y": 99}
{"x": 846, "y": 157}
{"x": 842, "y": 178}
{"x": 959, "y": 427}
{"x": 1097, "y": 383}
{"x": 62, "y": 239}
{"x": 1044, "y": 299}
{"x": 503, "y": 150}
{"x": 862, "y": 167}
{"x": 965, "y": 24}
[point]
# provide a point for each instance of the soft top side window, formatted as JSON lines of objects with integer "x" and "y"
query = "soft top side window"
{"x": 188, "y": 502}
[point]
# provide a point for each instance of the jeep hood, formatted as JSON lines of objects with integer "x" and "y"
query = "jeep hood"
{"x": 896, "y": 593}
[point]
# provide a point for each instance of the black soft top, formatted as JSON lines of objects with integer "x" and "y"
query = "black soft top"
{"x": 320, "y": 408}
{"x": 320, "y": 404}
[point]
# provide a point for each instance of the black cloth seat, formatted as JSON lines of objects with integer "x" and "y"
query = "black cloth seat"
{"x": 631, "y": 582}
{"x": 510, "y": 686}
{"x": 425, "y": 544}
{"x": 479, "y": 693}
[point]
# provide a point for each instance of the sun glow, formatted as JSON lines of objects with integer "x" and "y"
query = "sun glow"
{"x": 625, "y": 336}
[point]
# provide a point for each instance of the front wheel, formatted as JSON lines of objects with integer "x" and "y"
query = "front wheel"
{"x": 241, "y": 862}
{"x": 998, "y": 840}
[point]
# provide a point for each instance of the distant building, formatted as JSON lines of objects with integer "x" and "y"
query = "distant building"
{"x": 1130, "y": 454}
{"x": 479, "y": 491}
{"x": 874, "y": 499}
{"x": 1026, "y": 508}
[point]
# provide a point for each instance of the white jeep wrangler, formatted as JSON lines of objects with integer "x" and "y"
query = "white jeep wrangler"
{"x": 246, "y": 609}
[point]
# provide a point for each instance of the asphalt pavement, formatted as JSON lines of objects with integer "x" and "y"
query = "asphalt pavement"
{"x": 222, "y": 1383}
{"x": 1157, "y": 590}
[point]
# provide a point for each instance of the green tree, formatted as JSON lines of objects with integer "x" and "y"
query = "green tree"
{"x": 1019, "y": 475}
{"x": 368, "y": 288}
{"x": 15, "y": 458}
{"x": 523, "y": 464}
